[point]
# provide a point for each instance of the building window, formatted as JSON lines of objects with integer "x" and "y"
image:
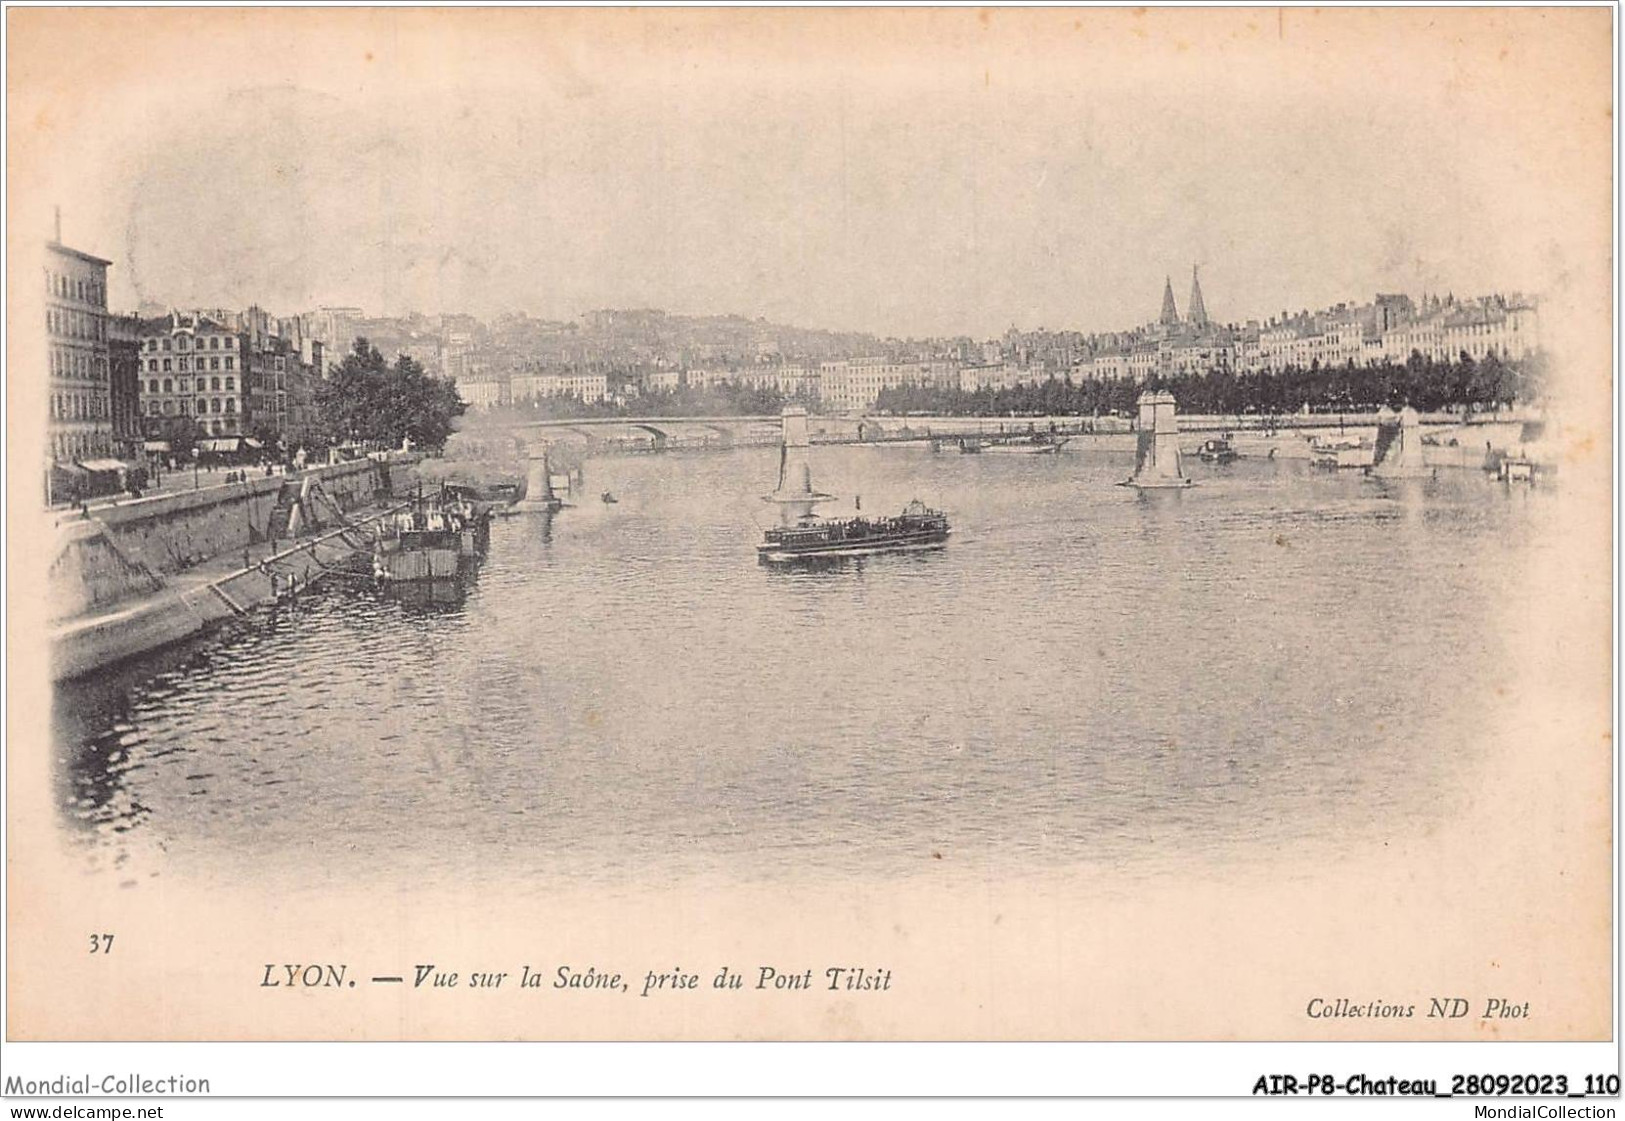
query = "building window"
{"x": 185, "y": 386}
{"x": 166, "y": 344}
{"x": 214, "y": 404}
{"x": 154, "y": 408}
{"x": 152, "y": 365}
{"x": 166, "y": 365}
{"x": 231, "y": 342}
{"x": 214, "y": 384}
{"x": 231, "y": 404}
{"x": 202, "y": 406}
{"x": 180, "y": 343}
{"x": 228, "y": 362}
{"x": 169, "y": 408}
{"x": 152, "y": 386}
{"x": 214, "y": 363}
{"x": 169, "y": 385}
{"x": 214, "y": 344}
{"x": 231, "y": 384}
{"x": 180, "y": 364}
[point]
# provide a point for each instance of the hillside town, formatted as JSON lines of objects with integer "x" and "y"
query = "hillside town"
{"x": 170, "y": 384}
{"x": 618, "y": 356}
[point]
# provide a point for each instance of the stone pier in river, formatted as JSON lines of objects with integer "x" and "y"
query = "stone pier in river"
{"x": 1156, "y": 459}
{"x": 1399, "y": 453}
{"x": 794, "y": 496}
{"x": 539, "y": 496}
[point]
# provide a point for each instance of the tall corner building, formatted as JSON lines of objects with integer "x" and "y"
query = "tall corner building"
{"x": 81, "y": 408}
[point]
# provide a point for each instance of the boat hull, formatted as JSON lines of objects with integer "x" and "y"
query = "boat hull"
{"x": 1158, "y": 484}
{"x": 1349, "y": 458}
{"x": 775, "y": 554}
{"x": 1024, "y": 447}
{"x": 1400, "y": 471}
{"x": 398, "y": 566}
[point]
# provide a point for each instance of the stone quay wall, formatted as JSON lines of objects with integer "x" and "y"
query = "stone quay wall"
{"x": 123, "y": 550}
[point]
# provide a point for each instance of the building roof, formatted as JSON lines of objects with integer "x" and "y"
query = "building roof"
{"x": 58, "y": 247}
{"x": 169, "y": 324}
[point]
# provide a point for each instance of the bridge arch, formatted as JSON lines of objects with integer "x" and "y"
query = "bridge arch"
{"x": 724, "y": 433}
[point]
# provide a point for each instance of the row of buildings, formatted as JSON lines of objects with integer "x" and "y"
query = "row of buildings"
{"x": 125, "y": 385}
{"x": 224, "y": 373}
{"x": 1389, "y": 329}
{"x": 608, "y": 341}
{"x": 120, "y": 383}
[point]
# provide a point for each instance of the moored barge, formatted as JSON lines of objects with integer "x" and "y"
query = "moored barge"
{"x": 436, "y": 539}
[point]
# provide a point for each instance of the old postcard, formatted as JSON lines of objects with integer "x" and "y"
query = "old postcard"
{"x": 926, "y": 524}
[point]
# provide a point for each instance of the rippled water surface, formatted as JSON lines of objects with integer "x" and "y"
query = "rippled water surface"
{"x": 1085, "y": 676}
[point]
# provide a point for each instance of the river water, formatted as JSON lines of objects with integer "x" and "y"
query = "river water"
{"x": 1086, "y": 676}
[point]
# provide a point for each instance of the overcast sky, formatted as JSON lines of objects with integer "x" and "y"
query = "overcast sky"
{"x": 913, "y": 174}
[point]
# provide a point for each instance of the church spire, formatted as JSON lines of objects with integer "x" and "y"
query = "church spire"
{"x": 1170, "y": 313}
{"x": 1196, "y": 309}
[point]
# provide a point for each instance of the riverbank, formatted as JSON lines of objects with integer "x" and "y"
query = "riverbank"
{"x": 129, "y": 578}
{"x": 1478, "y": 450}
{"x": 213, "y": 593}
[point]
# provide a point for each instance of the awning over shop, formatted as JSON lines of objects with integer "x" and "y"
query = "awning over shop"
{"x": 156, "y": 446}
{"x": 222, "y": 445}
{"x": 104, "y": 465}
{"x": 250, "y": 442}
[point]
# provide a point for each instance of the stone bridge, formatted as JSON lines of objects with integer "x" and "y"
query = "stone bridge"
{"x": 656, "y": 434}
{"x": 661, "y": 434}
{"x": 581, "y": 437}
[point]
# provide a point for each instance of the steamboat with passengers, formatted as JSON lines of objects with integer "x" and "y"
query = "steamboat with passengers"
{"x": 917, "y": 527}
{"x": 803, "y": 536}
